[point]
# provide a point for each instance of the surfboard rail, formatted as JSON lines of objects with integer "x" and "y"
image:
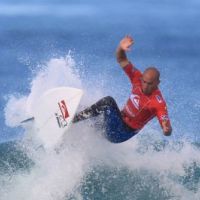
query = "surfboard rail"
{"x": 54, "y": 112}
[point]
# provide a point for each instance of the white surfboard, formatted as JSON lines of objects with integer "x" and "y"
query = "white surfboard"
{"x": 54, "y": 113}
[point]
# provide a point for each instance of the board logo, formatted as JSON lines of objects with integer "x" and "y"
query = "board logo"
{"x": 62, "y": 118}
{"x": 159, "y": 99}
{"x": 63, "y": 109}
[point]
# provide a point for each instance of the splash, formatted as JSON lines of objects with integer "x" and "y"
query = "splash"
{"x": 86, "y": 165}
{"x": 55, "y": 73}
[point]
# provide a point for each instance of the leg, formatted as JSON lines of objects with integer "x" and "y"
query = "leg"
{"x": 116, "y": 130}
{"x": 96, "y": 109}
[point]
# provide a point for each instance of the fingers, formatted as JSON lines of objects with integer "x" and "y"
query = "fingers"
{"x": 167, "y": 132}
{"x": 128, "y": 37}
{"x": 126, "y": 43}
{"x": 166, "y": 127}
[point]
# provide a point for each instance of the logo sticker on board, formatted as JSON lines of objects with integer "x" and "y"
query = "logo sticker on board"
{"x": 64, "y": 114}
{"x": 63, "y": 109}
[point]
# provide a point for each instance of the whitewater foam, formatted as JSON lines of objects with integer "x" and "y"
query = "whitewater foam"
{"x": 59, "y": 174}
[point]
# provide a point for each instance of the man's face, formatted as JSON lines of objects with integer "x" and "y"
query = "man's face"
{"x": 149, "y": 83}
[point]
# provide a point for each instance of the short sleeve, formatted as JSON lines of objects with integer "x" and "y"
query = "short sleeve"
{"x": 133, "y": 73}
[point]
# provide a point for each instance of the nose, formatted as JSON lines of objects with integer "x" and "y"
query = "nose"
{"x": 145, "y": 85}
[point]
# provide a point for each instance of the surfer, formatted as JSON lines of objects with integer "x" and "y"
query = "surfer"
{"x": 144, "y": 103}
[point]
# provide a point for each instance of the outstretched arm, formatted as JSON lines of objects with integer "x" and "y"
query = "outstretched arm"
{"x": 124, "y": 46}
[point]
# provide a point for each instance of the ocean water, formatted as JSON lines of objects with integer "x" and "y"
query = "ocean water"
{"x": 45, "y": 44}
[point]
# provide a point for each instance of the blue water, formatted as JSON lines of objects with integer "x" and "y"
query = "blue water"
{"x": 36, "y": 36}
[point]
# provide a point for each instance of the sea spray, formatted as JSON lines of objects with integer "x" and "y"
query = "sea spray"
{"x": 86, "y": 165}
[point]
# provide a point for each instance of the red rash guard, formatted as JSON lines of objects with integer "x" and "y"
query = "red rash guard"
{"x": 141, "y": 108}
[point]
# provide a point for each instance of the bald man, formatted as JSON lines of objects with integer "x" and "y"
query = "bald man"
{"x": 145, "y": 102}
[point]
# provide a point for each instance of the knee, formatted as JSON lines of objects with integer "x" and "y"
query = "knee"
{"x": 110, "y": 100}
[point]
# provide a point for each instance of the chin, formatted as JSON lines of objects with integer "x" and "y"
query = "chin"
{"x": 146, "y": 92}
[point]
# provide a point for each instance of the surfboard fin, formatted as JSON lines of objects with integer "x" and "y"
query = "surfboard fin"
{"x": 27, "y": 120}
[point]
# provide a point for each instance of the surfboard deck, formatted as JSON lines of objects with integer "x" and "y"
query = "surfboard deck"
{"x": 54, "y": 112}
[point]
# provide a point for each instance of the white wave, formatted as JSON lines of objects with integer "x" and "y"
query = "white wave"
{"x": 57, "y": 174}
{"x": 56, "y": 72}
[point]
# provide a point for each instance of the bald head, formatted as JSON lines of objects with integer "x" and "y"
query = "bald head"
{"x": 150, "y": 80}
{"x": 153, "y": 73}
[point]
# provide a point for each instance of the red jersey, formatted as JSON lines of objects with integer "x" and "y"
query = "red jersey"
{"x": 141, "y": 108}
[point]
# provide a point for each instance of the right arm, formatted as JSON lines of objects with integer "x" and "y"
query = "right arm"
{"x": 124, "y": 46}
{"x": 130, "y": 70}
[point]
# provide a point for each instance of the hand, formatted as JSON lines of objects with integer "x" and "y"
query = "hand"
{"x": 167, "y": 129}
{"x": 126, "y": 43}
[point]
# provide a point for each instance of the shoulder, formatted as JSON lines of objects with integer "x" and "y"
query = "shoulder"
{"x": 132, "y": 70}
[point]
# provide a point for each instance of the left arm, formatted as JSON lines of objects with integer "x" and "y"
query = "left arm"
{"x": 167, "y": 129}
{"x": 163, "y": 118}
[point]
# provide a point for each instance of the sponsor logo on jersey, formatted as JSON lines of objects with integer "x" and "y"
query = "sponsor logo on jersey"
{"x": 159, "y": 99}
{"x": 129, "y": 112}
{"x": 135, "y": 99}
{"x": 164, "y": 118}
